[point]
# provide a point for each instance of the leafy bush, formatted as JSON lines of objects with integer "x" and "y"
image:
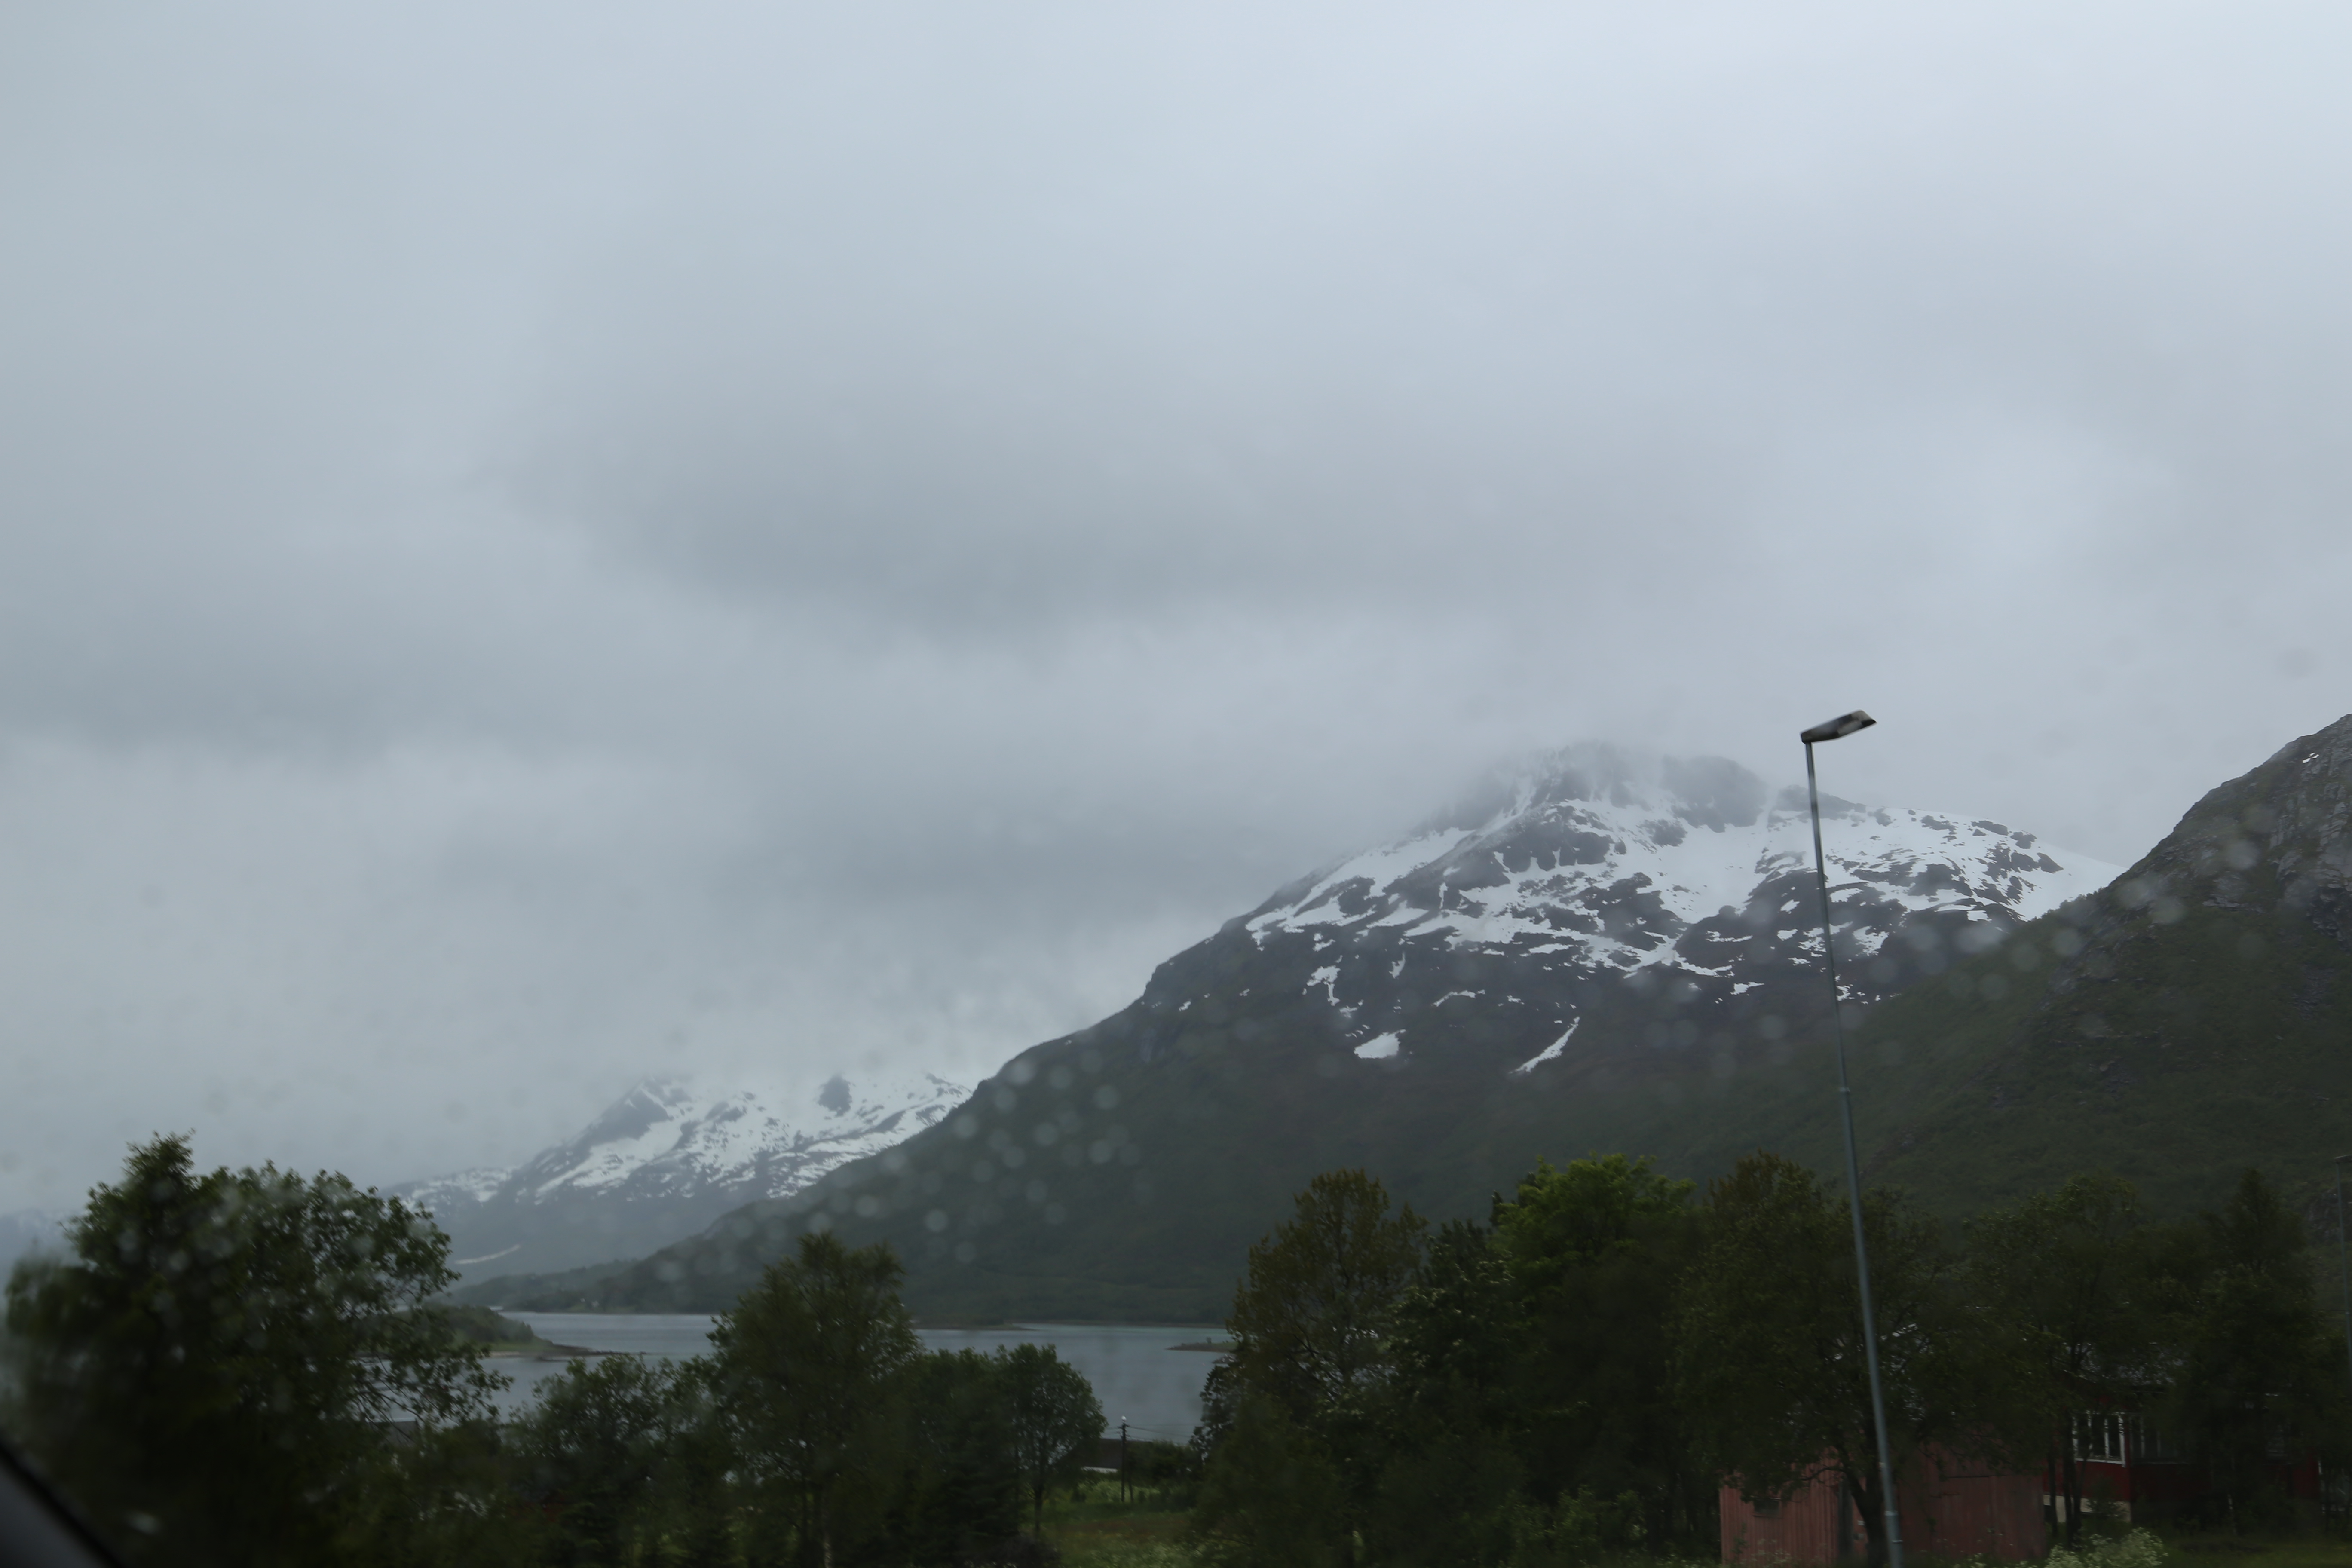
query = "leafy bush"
{"x": 2138, "y": 1549}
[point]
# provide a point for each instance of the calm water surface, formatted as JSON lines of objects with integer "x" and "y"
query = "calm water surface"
{"x": 1136, "y": 1372}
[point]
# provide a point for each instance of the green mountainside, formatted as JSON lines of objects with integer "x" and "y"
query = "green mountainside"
{"x": 2194, "y": 1019}
{"x": 2189, "y": 1020}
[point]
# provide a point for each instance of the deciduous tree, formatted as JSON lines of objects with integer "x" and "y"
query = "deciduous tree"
{"x": 216, "y": 1368}
{"x": 1596, "y": 1251}
{"x": 1769, "y": 1363}
{"x": 1271, "y": 1496}
{"x": 600, "y": 1441}
{"x": 2066, "y": 1275}
{"x": 964, "y": 1485}
{"x": 805, "y": 1367}
{"x": 1311, "y": 1327}
{"x": 1056, "y": 1422}
{"x": 1311, "y": 1318}
{"x": 2256, "y": 1366}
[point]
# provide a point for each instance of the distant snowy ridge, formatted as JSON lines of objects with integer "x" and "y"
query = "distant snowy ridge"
{"x": 664, "y": 1159}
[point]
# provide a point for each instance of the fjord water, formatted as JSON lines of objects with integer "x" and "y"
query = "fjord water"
{"x": 1136, "y": 1372}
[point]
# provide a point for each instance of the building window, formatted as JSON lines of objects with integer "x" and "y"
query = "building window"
{"x": 1769, "y": 1509}
{"x": 2118, "y": 1438}
{"x": 2099, "y": 1434}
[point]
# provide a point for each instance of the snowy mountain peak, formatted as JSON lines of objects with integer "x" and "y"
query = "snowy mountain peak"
{"x": 667, "y": 1156}
{"x": 1593, "y": 855}
{"x": 1660, "y": 893}
{"x": 665, "y": 1136}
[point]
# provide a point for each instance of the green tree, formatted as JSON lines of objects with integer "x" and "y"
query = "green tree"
{"x": 964, "y": 1489}
{"x": 1312, "y": 1319}
{"x": 806, "y": 1367}
{"x": 2256, "y": 1364}
{"x": 1533, "y": 1374}
{"x": 216, "y": 1367}
{"x": 605, "y": 1440}
{"x": 1452, "y": 1417}
{"x": 696, "y": 1493}
{"x": 1595, "y": 1252}
{"x": 1769, "y": 1355}
{"x": 1270, "y": 1496}
{"x": 441, "y": 1498}
{"x": 2066, "y": 1275}
{"x": 1056, "y": 1423}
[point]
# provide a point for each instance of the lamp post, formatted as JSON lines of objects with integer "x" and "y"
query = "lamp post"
{"x": 1836, "y": 730}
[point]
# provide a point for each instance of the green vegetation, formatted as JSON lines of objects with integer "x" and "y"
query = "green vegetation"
{"x": 495, "y": 1333}
{"x": 254, "y": 1368}
{"x": 217, "y": 1367}
{"x": 1768, "y": 1333}
{"x": 1567, "y": 1382}
{"x": 251, "y": 1367}
{"x": 1098, "y": 1524}
{"x": 2225, "y": 1548}
{"x": 1056, "y": 1422}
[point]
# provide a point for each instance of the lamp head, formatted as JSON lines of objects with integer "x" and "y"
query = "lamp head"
{"x": 1838, "y": 728}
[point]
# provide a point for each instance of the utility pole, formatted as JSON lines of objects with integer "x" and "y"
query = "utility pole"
{"x": 1122, "y": 1459}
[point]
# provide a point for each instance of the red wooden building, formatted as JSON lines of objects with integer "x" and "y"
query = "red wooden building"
{"x": 2129, "y": 1470}
{"x": 2125, "y": 1469}
{"x": 1951, "y": 1507}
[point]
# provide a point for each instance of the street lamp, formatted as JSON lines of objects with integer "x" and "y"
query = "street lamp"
{"x": 1837, "y": 730}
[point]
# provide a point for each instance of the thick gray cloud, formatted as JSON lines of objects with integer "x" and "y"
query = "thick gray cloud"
{"x": 544, "y": 543}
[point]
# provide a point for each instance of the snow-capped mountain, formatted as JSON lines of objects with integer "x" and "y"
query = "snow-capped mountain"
{"x": 662, "y": 1161}
{"x": 1591, "y": 871}
{"x": 1597, "y": 953}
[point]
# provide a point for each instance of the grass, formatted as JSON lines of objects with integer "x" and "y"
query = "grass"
{"x": 1093, "y": 1528}
{"x": 2311, "y": 1549}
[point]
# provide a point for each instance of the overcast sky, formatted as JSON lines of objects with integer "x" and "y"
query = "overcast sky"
{"x": 542, "y": 543}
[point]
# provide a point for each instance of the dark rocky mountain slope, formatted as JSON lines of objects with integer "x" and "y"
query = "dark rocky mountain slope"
{"x": 2193, "y": 1019}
